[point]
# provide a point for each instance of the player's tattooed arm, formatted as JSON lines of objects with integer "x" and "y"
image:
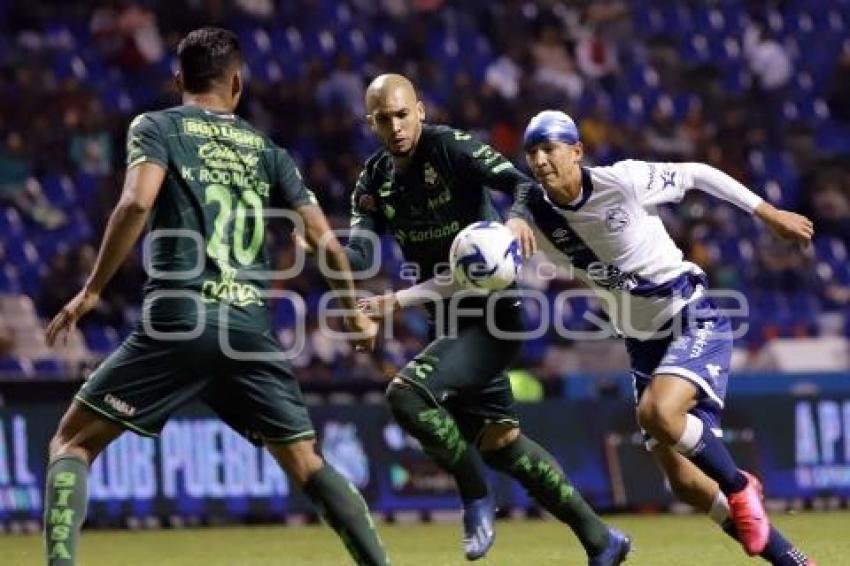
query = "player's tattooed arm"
{"x": 360, "y": 251}
{"x": 366, "y": 222}
{"x": 126, "y": 223}
{"x": 318, "y": 235}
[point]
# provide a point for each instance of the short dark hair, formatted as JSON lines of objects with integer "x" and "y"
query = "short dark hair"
{"x": 206, "y": 54}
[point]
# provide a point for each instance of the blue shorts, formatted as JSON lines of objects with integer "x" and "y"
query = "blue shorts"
{"x": 695, "y": 345}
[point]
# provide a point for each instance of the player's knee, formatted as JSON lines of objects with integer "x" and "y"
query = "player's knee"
{"x": 661, "y": 419}
{"x": 81, "y": 435}
{"x": 402, "y": 399}
{"x": 64, "y": 443}
{"x": 495, "y": 436}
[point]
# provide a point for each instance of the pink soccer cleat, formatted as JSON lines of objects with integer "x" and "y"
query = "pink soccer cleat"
{"x": 748, "y": 514}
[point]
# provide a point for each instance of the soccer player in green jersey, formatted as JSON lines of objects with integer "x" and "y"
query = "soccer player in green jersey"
{"x": 425, "y": 185}
{"x": 203, "y": 179}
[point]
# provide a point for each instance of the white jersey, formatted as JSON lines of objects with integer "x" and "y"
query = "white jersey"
{"x": 615, "y": 241}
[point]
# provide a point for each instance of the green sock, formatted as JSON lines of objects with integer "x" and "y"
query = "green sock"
{"x": 65, "y": 500}
{"x": 440, "y": 437}
{"x": 343, "y": 508}
{"x": 539, "y": 473}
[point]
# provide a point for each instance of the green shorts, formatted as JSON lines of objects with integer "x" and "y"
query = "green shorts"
{"x": 466, "y": 373}
{"x": 146, "y": 379}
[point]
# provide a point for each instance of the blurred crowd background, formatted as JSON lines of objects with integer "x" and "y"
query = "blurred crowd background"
{"x": 760, "y": 90}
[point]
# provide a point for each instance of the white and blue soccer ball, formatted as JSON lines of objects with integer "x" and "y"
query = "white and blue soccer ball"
{"x": 485, "y": 256}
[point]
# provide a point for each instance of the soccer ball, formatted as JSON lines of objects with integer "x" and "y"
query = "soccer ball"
{"x": 485, "y": 256}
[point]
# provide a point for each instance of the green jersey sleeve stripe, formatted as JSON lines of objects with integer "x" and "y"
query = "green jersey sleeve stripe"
{"x": 501, "y": 167}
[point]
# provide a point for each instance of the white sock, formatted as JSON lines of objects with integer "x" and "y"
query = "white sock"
{"x": 691, "y": 435}
{"x": 719, "y": 511}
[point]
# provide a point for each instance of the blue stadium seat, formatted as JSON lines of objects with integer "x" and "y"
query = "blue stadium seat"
{"x": 100, "y": 339}
{"x": 49, "y": 367}
{"x": 837, "y": 21}
{"x": 9, "y": 280}
{"x": 11, "y": 226}
{"x": 695, "y": 49}
{"x": 286, "y": 313}
{"x": 59, "y": 189}
{"x": 67, "y": 64}
{"x": 355, "y": 44}
{"x": 13, "y": 366}
{"x": 831, "y": 250}
{"x": 21, "y": 253}
{"x": 30, "y": 278}
{"x": 51, "y": 243}
{"x": 833, "y": 137}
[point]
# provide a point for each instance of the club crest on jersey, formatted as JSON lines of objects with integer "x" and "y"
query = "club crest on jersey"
{"x": 616, "y": 219}
{"x": 429, "y": 174}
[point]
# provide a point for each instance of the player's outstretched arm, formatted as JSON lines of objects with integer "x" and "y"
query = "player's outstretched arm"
{"x": 430, "y": 290}
{"x": 126, "y": 223}
{"x": 318, "y": 236}
{"x": 787, "y": 225}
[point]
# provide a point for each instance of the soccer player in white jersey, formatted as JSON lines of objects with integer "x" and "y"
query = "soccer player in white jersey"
{"x": 602, "y": 221}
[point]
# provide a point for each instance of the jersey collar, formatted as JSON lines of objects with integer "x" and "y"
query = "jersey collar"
{"x": 586, "y": 191}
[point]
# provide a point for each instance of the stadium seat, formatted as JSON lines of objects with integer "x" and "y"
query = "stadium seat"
{"x": 9, "y": 280}
{"x": 13, "y": 366}
{"x": 287, "y": 313}
{"x": 11, "y": 226}
{"x": 59, "y": 189}
{"x": 100, "y": 339}
{"x": 831, "y": 250}
{"x": 21, "y": 253}
{"x": 49, "y": 367}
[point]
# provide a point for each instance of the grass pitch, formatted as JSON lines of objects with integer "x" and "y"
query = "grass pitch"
{"x": 659, "y": 541}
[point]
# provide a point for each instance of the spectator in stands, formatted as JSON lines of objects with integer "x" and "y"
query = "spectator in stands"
{"x": 783, "y": 267}
{"x": 90, "y": 149}
{"x": 838, "y": 94}
{"x": 772, "y": 69}
{"x": 128, "y": 34}
{"x": 830, "y": 200}
{"x": 20, "y": 189}
{"x": 57, "y": 286}
{"x": 554, "y": 67}
{"x": 696, "y": 129}
{"x": 666, "y": 139}
{"x": 503, "y": 73}
{"x": 262, "y": 10}
{"x": 731, "y": 145}
{"x": 596, "y": 57}
{"x": 343, "y": 88}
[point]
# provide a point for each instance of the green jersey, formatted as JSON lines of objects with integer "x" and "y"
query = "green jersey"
{"x": 208, "y": 223}
{"x": 441, "y": 191}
